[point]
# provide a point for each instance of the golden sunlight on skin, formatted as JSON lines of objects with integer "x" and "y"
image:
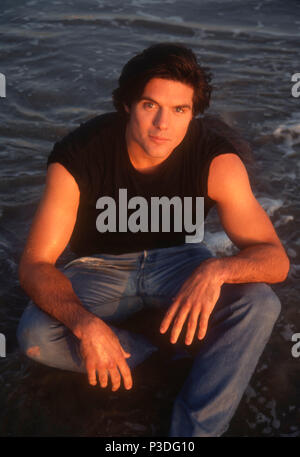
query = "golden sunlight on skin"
{"x": 158, "y": 122}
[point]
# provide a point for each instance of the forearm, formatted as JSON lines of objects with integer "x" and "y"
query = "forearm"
{"x": 260, "y": 263}
{"x": 52, "y": 291}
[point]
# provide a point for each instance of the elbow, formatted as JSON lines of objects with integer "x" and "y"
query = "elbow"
{"x": 280, "y": 264}
{"x": 22, "y": 270}
{"x": 284, "y": 267}
{"x": 25, "y": 270}
{"x": 287, "y": 268}
{"x": 29, "y": 270}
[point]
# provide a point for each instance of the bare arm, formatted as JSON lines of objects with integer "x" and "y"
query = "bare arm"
{"x": 262, "y": 257}
{"x": 52, "y": 291}
{"x": 51, "y": 230}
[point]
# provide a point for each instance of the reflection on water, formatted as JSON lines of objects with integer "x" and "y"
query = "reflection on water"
{"x": 61, "y": 61}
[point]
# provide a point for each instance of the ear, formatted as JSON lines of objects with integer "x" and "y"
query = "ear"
{"x": 126, "y": 108}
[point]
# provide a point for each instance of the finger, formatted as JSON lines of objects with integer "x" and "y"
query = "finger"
{"x": 192, "y": 325}
{"x": 169, "y": 316}
{"x": 102, "y": 376}
{"x": 126, "y": 373}
{"x": 115, "y": 377}
{"x": 203, "y": 323}
{"x": 91, "y": 372}
{"x": 179, "y": 321}
{"x": 126, "y": 354}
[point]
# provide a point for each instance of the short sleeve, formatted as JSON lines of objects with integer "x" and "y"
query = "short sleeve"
{"x": 80, "y": 152}
{"x": 70, "y": 153}
{"x": 223, "y": 139}
{"x": 216, "y": 145}
{"x": 217, "y": 138}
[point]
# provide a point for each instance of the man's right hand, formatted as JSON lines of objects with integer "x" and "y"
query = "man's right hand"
{"x": 103, "y": 355}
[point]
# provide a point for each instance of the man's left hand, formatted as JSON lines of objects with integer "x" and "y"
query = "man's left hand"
{"x": 195, "y": 302}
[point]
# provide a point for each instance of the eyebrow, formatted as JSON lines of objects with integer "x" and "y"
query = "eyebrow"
{"x": 154, "y": 101}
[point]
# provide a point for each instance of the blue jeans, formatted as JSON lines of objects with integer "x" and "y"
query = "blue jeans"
{"x": 114, "y": 287}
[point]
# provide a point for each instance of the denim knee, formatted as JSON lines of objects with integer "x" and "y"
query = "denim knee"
{"x": 226, "y": 360}
{"x": 33, "y": 331}
{"x": 264, "y": 301}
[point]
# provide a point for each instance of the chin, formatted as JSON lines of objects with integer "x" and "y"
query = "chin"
{"x": 159, "y": 154}
{"x": 159, "y": 151}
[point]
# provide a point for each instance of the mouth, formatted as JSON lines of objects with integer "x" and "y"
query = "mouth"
{"x": 158, "y": 139}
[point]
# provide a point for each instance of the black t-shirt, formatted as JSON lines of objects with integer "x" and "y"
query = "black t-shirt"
{"x": 96, "y": 156}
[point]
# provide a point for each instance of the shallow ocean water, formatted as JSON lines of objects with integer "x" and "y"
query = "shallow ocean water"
{"x": 61, "y": 61}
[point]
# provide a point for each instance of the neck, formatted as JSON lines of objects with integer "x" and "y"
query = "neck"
{"x": 144, "y": 166}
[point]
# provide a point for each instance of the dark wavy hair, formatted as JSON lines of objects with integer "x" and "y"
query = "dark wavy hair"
{"x": 168, "y": 61}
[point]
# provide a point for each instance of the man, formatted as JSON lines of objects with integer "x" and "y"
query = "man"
{"x": 152, "y": 147}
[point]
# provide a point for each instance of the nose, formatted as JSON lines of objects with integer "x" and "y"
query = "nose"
{"x": 161, "y": 119}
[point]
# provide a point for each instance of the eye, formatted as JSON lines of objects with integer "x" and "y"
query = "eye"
{"x": 179, "y": 109}
{"x": 148, "y": 105}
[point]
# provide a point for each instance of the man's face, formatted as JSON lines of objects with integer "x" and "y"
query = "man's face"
{"x": 158, "y": 121}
